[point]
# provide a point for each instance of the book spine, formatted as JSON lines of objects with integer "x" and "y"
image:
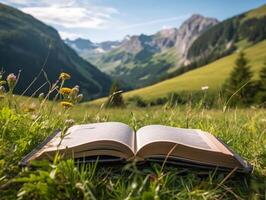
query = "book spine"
{"x": 26, "y": 158}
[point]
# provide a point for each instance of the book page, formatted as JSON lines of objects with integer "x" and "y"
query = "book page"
{"x": 88, "y": 133}
{"x": 190, "y": 137}
{"x": 193, "y": 145}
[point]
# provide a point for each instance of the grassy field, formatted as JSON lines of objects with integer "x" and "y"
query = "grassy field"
{"x": 21, "y": 129}
{"x": 212, "y": 75}
{"x": 258, "y": 12}
{"x": 25, "y": 122}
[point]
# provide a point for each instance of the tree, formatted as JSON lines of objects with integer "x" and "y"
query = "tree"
{"x": 239, "y": 87}
{"x": 115, "y": 98}
{"x": 261, "y": 95}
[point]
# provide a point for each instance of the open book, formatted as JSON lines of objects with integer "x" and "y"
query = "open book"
{"x": 115, "y": 141}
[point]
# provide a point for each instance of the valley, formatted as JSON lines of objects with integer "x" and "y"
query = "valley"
{"x": 142, "y": 60}
{"x": 212, "y": 75}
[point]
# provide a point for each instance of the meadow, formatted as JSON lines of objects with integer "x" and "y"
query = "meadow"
{"x": 193, "y": 80}
{"x": 192, "y": 98}
{"x": 25, "y": 122}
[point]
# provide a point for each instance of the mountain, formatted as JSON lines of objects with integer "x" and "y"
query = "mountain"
{"x": 29, "y": 45}
{"x": 144, "y": 60}
{"x": 212, "y": 75}
{"x": 141, "y": 60}
{"x": 89, "y": 50}
{"x": 238, "y": 32}
{"x": 190, "y": 30}
{"x": 245, "y": 32}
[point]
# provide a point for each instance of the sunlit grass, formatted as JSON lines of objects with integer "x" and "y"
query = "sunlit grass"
{"x": 243, "y": 130}
{"x": 212, "y": 75}
{"x": 256, "y": 13}
{"x": 25, "y": 122}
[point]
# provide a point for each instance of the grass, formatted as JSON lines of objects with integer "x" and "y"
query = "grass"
{"x": 25, "y": 122}
{"x": 21, "y": 130}
{"x": 256, "y": 13}
{"x": 193, "y": 80}
{"x": 212, "y": 75}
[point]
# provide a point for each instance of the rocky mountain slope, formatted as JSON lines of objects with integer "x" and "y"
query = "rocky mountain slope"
{"x": 245, "y": 32}
{"x": 212, "y": 75}
{"x": 89, "y": 50}
{"x": 141, "y": 60}
{"x": 27, "y": 44}
{"x": 234, "y": 33}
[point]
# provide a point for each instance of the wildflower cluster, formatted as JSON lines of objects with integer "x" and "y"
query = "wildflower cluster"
{"x": 10, "y": 81}
{"x": 64, "y": 76}
{"x": 65, "y": 91}
{"x": 71, "y": 96}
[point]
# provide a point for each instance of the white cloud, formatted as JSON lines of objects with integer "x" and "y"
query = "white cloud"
{"x": 26, "y": 3}
{"x": 15, "y": 2}
{"x": 67, "y": 13}
{"x": 69, "y": 35}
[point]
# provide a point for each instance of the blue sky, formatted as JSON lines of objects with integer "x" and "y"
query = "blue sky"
{"x": 101, "y": 20}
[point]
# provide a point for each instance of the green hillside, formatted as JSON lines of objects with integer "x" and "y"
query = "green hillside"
{"x": 29, "y": 45}
{"x": 142, "y": 60}
{"x": 256, "y": 13}
{"x": 223, "y": 38}
{"x": 137, "y": 70}
{"x": 212, "y": 75}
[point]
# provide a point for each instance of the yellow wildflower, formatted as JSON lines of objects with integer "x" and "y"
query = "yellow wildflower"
{"x": 66, "y": 104}
{"x": 2, "y": 82}
{"x": 64, "y": 76}
{"x": 65, "y": 91}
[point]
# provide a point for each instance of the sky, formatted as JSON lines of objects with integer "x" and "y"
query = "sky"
{"x": 102, "y": 20}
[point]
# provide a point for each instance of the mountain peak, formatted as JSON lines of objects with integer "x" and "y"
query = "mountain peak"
{"x": 191, "y": 29}
{"x": 196, "y": 16}
{"x": 199, "y": 19}
{"x": 167, "y": 32}
{"x": 127, "y": 37}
